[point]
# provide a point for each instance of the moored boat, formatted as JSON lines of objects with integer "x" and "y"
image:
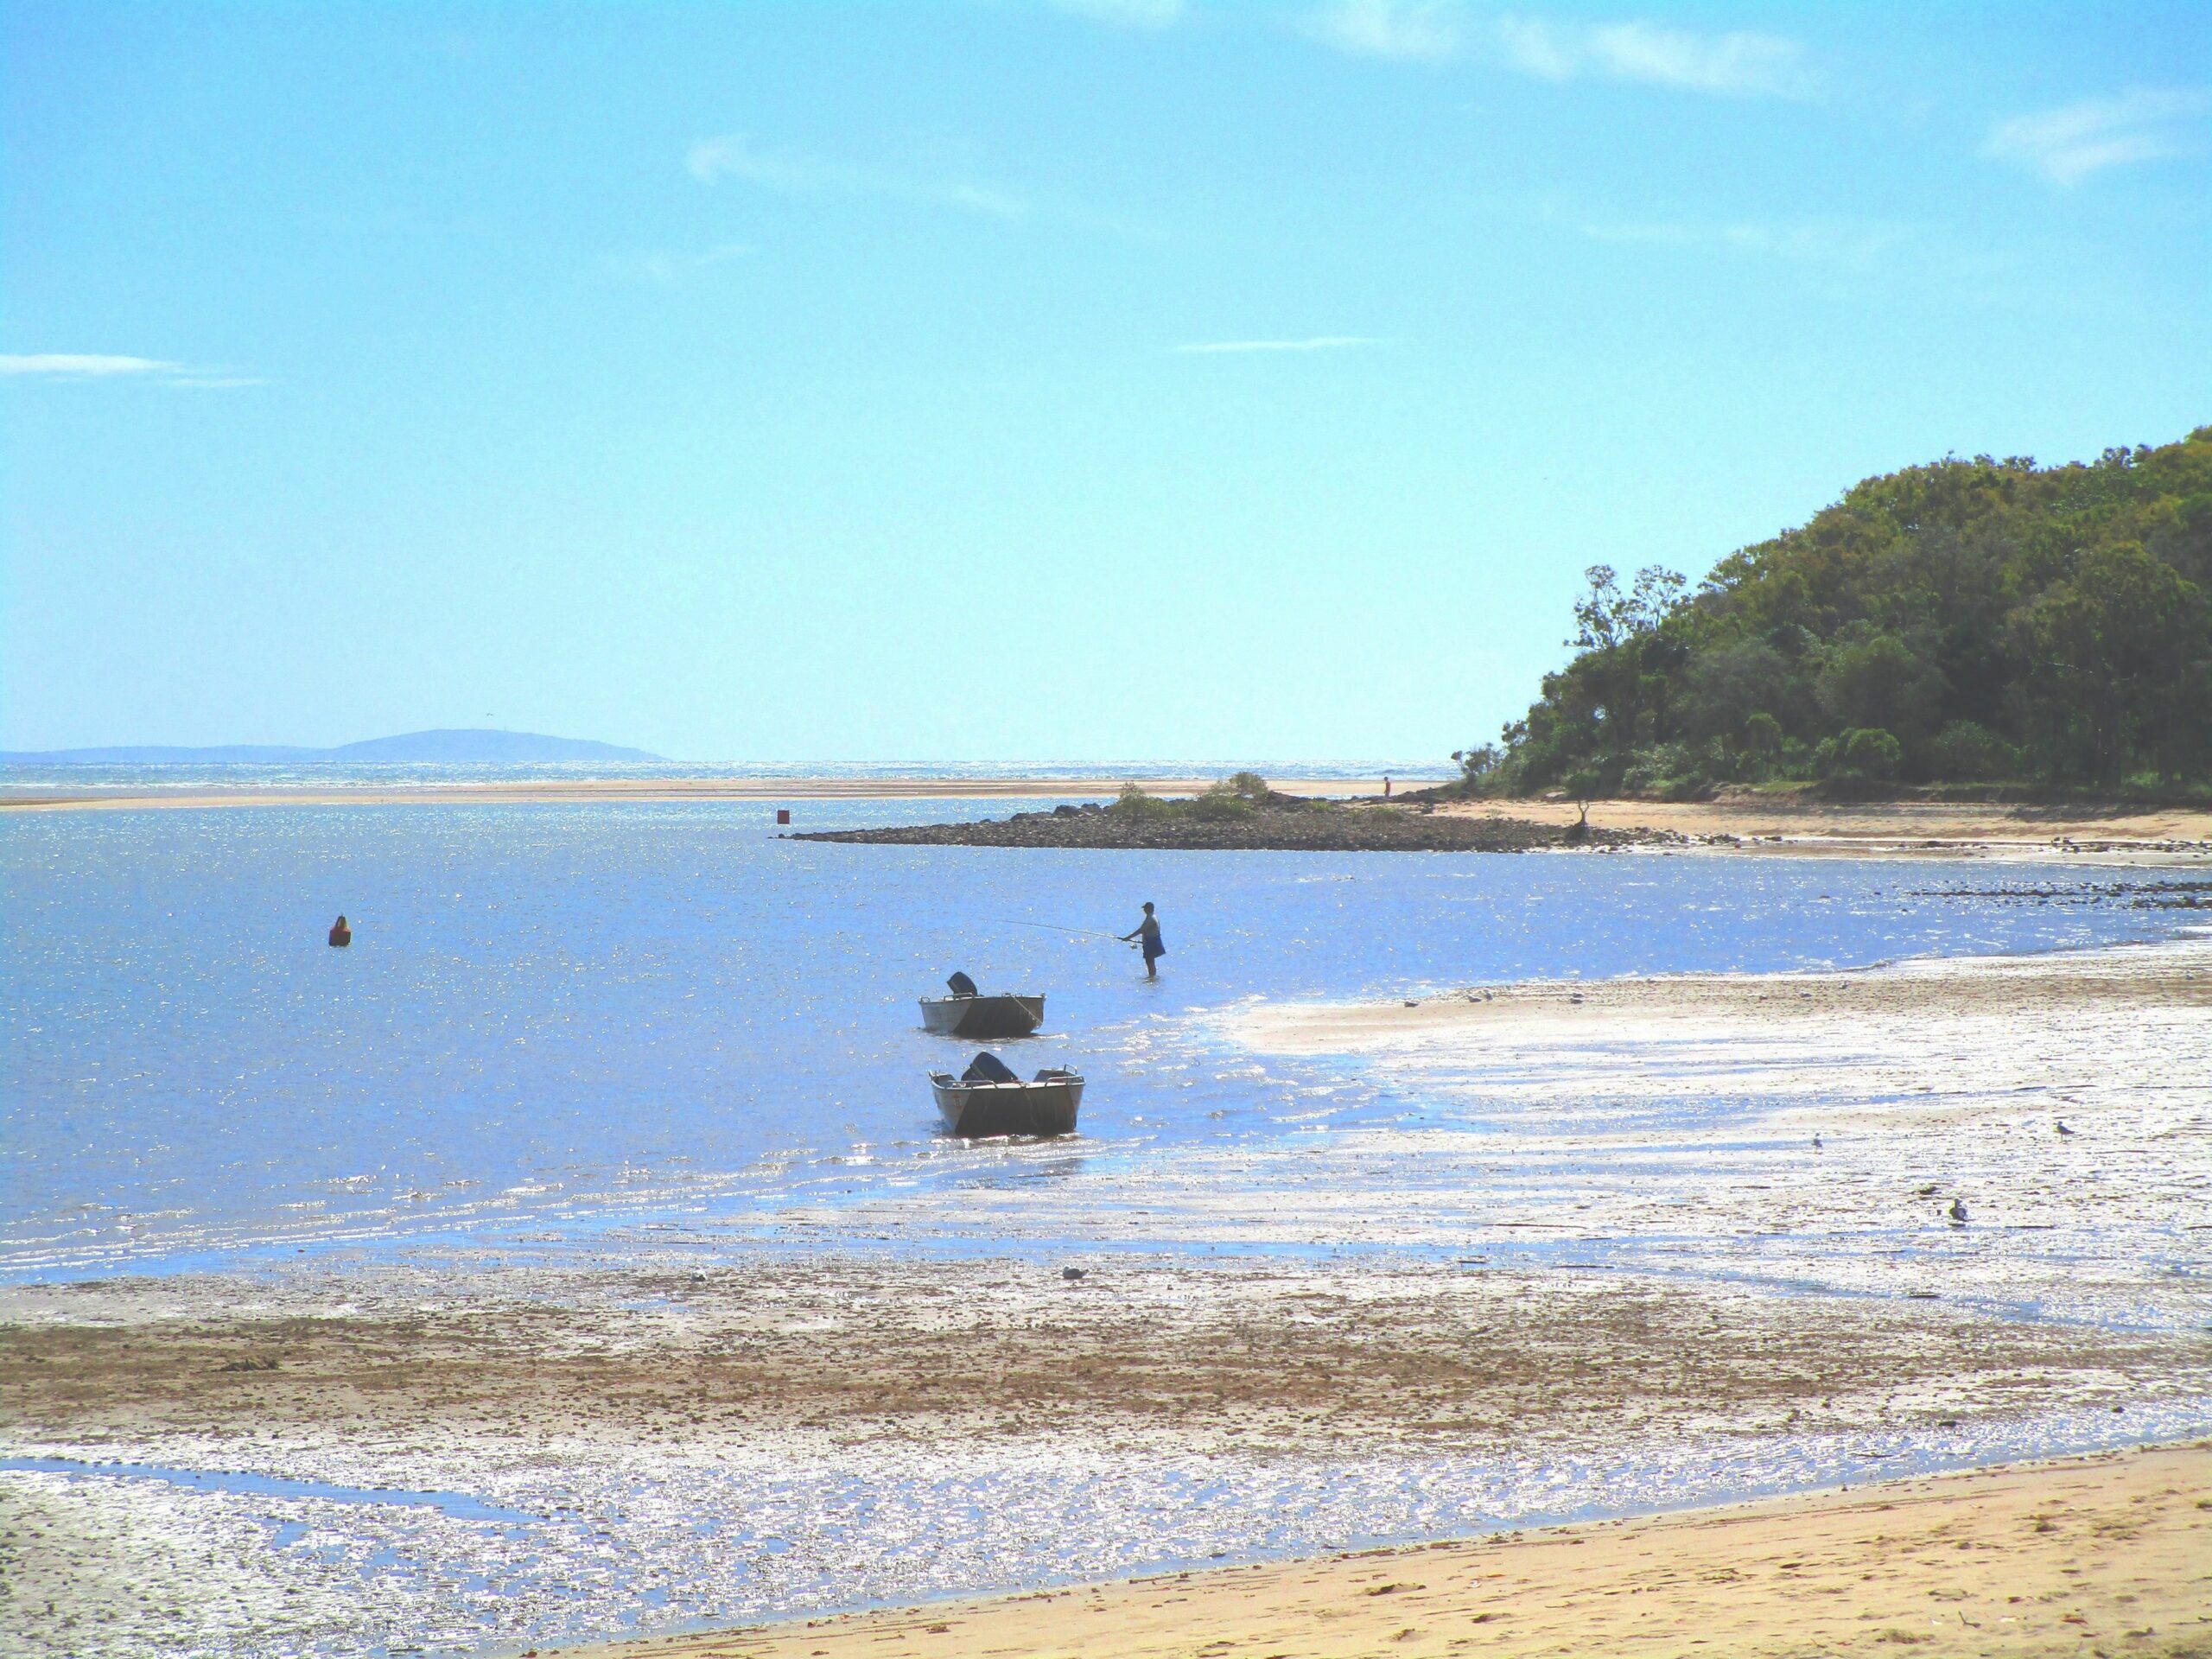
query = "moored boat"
{"x": 974, "y": 1106}
{"x": 983, "y": 1019}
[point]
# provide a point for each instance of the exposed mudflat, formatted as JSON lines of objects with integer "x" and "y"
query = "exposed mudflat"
{"x": 441, "y": 1460}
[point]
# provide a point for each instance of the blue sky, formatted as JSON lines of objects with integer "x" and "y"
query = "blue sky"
{"x": 1016, "y": 382}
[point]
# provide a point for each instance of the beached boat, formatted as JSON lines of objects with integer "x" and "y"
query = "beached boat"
{"x": 979, "y": 1106}
{"x": 983, "y": 1019}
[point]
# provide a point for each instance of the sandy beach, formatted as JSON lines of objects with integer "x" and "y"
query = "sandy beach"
{"x": 1770, "y": 823}
{"x": 2103, "y": 1556}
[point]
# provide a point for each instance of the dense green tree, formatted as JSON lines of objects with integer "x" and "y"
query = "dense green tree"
{"x": 1976, "y": 619}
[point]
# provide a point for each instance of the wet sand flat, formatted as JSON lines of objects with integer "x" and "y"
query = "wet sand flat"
{"x": 754, "y": 1439}
{"x": 2100, "y": 1556}
{"x": 1254, "y": 1357}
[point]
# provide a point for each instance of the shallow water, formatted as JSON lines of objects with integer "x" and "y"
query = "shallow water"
{"x": 655, "y": 1034}
{"x": 556, "y": 1020}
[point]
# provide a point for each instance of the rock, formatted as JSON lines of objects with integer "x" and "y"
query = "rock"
{"x": 1284, "y": 823}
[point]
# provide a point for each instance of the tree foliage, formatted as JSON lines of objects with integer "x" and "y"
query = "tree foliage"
{"x": 1968, "y": 620}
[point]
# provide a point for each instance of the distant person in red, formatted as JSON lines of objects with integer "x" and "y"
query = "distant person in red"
{"x": 340, "y": 935}
{"x": 1148, "y": 931}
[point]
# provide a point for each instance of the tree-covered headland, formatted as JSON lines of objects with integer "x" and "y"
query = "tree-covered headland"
{"x": 1974, "y": 621}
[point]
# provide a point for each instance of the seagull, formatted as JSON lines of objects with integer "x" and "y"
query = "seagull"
{"x": 1074, "y": 1273}
{"x": 1957, "y": 1212}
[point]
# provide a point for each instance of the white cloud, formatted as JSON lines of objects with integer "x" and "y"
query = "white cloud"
{"x": 1316, "y": 343}
{"x": 82, "y": 366}
{"x": 732, "y": 155}
{"x": 1738, "y": 64}
{"x": 2067, "y": 145}
{"x": 1741, "y": 63}
{"x": 1416, "y": 30}
{"x": 1127, "y": 14}
{"x": 94, "y": 366}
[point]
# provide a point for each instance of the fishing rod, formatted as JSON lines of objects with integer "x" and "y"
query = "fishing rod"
{"x": 1054, "y": 927}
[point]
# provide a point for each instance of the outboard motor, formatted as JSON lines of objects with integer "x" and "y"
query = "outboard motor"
{"x": 961, "y": 985}
{"x": 987, "y": 1067}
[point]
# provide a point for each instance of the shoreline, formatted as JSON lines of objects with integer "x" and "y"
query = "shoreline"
{"x": 691, "y": 1446}
{"x": 655, "y": 790}
{"x": 1894, "y": 829}
{"x": 2023, "y": 1558}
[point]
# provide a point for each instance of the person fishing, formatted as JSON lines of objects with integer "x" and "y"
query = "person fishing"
{"x": 1147, "y": 933}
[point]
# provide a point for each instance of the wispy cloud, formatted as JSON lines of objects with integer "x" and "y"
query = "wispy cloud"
{"x": 732, "y": 155}
{"x": 662, "y": 266}
{"x": 1741, "y": 63}
{"x": 1127, "y": 14}
{"x": 2067, "y": 145}
{"x": 1314, "y": 343}
{"x": 1419, "y": 31}
{"x": 1853, "y": 244}
{"x": 99, "y": 365}
{"x": 85, "y": 366}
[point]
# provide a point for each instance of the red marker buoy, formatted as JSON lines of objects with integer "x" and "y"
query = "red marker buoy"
{"x": 783, "y": 814}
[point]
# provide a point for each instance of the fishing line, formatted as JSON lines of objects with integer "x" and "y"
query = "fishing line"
{"x": 1080, "y": 932}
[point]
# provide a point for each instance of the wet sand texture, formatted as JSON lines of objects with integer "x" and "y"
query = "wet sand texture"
{"x": 2098, "y": 1556}
{"x": 580, "y": 1393}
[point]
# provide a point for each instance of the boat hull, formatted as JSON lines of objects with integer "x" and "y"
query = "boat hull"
{"x": 983, "y": 1019}
{"x": 1044, "y": 1107}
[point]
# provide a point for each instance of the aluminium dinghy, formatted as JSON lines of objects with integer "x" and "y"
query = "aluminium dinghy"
{"x": 989, "y": 1099}
{"x": 969, "y": 1014}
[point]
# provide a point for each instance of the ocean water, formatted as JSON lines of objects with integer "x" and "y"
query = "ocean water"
{"x": 565, "y": 1025}
{"x": 78, "y": 776}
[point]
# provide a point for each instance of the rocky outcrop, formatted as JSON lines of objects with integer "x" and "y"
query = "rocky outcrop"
{"x": 1283, "y": 824}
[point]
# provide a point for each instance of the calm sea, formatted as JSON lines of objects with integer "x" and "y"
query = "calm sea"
{"x": 558, "y": 1024}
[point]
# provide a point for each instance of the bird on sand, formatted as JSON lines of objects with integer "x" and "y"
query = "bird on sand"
{"x": 2062, "y": 1129}
{"x": 1957, "y": 1212}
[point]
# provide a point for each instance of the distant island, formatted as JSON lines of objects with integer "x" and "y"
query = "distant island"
{"x": 465, "y": 746}
{"x": 1969, "y": 622}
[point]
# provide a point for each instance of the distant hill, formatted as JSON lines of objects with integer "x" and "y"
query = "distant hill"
{"x": 1967, "y": 621}
{"x": 475, "y": 746}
